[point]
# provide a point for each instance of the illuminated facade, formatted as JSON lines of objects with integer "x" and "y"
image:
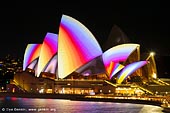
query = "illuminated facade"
{"x": 31, "y": 55}
{"x": 75, "y": 54}
{"x": 115, "y": 55}
{"x": 72, "y": 50}
{"x": 48, "y": 50}
{"x": 76, "y": 46}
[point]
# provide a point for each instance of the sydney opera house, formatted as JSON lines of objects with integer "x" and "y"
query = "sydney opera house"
{"x": 73, "y": 62}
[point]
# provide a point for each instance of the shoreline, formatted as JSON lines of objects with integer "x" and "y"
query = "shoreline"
{"x": 77, "y": 97}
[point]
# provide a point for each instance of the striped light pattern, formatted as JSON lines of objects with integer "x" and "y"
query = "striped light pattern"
{"x": 32, "y": 52}
{"x": 33, "y": 64}
{"x": 129, "y": 69}
{"x": 114, "y": 68}
{"x": 117, "y": 54}
{"x": 52, "y": 65}
{"x": 48, "y": 50}
{"x": 77, "y": 46}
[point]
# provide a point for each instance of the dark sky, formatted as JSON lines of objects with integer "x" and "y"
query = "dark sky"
{"x": 147, "y": 25}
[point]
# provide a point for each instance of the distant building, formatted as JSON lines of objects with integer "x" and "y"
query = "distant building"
{"x": 9, "y": 66}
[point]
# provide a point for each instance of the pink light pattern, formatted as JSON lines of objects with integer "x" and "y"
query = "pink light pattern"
{"x": 114, "y": 68}
{"x": 52, "y": 66}
{"x": 31, "y": 53}
{"x": 77, "y": 46}
{"x": 48, "y": 50}
{"x": 117, "y": 54}
{"x": 33, "y": 64}
{"x": 129, "y": 69}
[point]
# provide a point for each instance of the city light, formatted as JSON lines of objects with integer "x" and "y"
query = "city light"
{"x": 154, "y": 75}
{"x": 152, "y": 53}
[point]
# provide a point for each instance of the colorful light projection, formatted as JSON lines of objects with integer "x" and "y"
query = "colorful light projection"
{"x": 32, "y": 52}
{"x": 114, "y": 68}
{"x": 117, "y": 54}
{"x": 51, "y": 67}
{"x": 129, "y": 69}
{"x": 77, "y": 46}
{"x": 48, "y": 50}
{"x": 33, "y": 64}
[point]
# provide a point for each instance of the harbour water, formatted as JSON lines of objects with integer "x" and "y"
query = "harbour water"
{"x": 36, "y": 105}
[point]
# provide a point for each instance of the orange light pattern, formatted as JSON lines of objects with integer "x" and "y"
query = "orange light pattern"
{"x": 32, "y": 52}
{"x": 114, "y": 68}
{"x": 48, "y": 50}
{"x": 77, "y": 46}
{"x": 33, "y": 64}
{"x": 75, "y": 49}
{"x": 51, "y": 67}
{"x": 129, "y": 69}
{"x": 117, "y": 54}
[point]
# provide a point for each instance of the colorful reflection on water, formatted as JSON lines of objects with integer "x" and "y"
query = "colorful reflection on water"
{"x": 13, "y": 104}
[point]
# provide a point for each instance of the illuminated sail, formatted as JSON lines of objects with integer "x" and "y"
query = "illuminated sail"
{"x": 32, "y": 52}
{"x": 129, "y": 69}
{"x": 48, "y": 50}
{"x": 52, "y": 65}
{"x": 77, "y": 46}
{"x": 117, "y": 54}
{"x": 114, "y": 68}
{"x": 33, "y": 64}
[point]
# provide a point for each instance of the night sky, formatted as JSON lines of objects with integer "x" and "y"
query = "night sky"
{"x": 147, "y": 25}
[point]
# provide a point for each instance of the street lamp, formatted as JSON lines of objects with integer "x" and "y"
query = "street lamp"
{"x": 150, "y": 55}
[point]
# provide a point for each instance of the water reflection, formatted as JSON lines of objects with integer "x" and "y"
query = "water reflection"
{"x": 67, "y": 106}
